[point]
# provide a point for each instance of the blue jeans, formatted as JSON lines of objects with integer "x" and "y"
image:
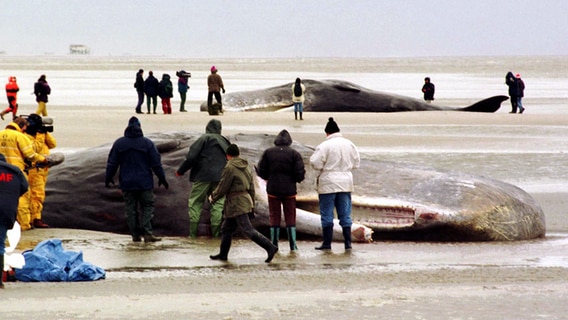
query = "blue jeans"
{"x": 298, "y": 107}
{"x": 340, "y": 201}
{"x": 3, "y": 231}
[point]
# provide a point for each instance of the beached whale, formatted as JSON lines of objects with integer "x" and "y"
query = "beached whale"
{"x": 339, "y": 96}
{"x": 397, "y": 201}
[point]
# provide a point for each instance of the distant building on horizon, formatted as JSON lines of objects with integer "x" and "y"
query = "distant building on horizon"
{"x": 79, "y": 49}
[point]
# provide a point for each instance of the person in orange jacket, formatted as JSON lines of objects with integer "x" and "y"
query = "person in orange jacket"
{"x": 12, "y": 95}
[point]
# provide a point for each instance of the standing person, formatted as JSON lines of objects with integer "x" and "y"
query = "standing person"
{"x": 282, "y": 167}
{"x": 13, "y": 185}
{"x": 298, "y": 90}
{"x": 511, "y": 82}
{"x": 183, "y": 86}
{"x": 151, "y": 87}
{"x": 18, "y": 149}
{"x": 41, "y": 91}
{"x": 428, "y": 88}
{"x": 137, "y": 158}
{"x": 166, "y": 92}
{"x": 214, "y": 87}
{"x": 334, "y": 159}
{"x": 43, "y": 141}
{"x": 237, "y": 186}
{"x": 12, "y": 95}
{"x": 521, "y": 91}
{"x": 206, "y": 158}
{"x": 139, "y": 85}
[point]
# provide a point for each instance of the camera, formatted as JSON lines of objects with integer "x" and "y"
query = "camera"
{"x": 38, "y": 124}
{"x": 46, "y": 125}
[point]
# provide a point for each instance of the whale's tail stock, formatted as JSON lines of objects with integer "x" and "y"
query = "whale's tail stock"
{"x": 488, "y": 105}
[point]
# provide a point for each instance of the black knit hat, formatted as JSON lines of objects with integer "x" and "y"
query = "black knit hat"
{"x": 233, "y": 150}
{"x": 331, "y": 126}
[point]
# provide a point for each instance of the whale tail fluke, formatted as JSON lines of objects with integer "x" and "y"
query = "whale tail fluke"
{"x": 488, "y": 105}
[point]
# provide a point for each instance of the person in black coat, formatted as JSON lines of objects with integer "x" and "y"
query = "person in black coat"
{"x": 139, "y": 86}
{"x": 282, "y": 167}
{"x": 137, "y": 157}
{"x": 511, "y": 82}
{"x": 428, "y": 88}
{"x": 13, "y": 184}
{"x": 151, "y": 89}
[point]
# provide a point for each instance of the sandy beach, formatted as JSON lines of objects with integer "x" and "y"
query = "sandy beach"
{"x": 174, "y": 279}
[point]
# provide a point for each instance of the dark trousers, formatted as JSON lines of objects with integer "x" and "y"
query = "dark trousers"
{"x": 275, "y": 206}
{"x": 140, "y": 101}
{"x": 230, "y": 225}
{"x": 217, "y": 95}
{"x": 139, "y": 224}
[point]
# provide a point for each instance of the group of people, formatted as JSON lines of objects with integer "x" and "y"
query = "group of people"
{"x": 41, "y": 91}
{"x": 224, "y": 180}
{"x": 151, "y": 88}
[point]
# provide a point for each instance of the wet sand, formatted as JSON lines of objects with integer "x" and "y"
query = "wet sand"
{"x": 174, "y": 279}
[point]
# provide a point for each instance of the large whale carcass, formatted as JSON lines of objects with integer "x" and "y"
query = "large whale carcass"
{"x": 340, "y": 96}
{"x": 397, "y": 201}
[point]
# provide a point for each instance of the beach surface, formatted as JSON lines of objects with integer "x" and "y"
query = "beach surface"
{"x": 175, "y": 279}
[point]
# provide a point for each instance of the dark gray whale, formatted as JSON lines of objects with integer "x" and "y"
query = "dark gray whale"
{"x": 397, "y": 201}
{"x": 339, "y": 96}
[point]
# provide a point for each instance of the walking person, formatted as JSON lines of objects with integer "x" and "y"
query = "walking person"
{"x": 139, "y": 86}
{"x": 41, "y": 91}
{"x": 166, "y": 93}
{"x": 282, "y": 167}
{"x": 237, "y": 187}
{"x": 511, "y": 82}
{"x": 334, "y": 159}
{"x": 137, "y": 157}
{"x": 206, "y": 158}
{"x": 12, "y": 95}
{"x": 298, "y": 98}
{"x": 13, "y": 185}
{"x": 151, "y": 87}
{"x": 183, "y": 87}
{"x": 521, "y": 91}
{"x": 214, "y": 87}
{"x": 428, "y": 89}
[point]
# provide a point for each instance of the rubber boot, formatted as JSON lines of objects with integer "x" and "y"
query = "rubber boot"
{"x": 1, "y": 270}
{"x": 292, "y": 237}
{"x": 193, "y": 229}
{"x": 295, "y": 116}
{"x": 265, "y": 243}
{"x": 347, "y": 237}
{"x": 301, "y": 116}
{"x": 224, "y": 248}
{"x": 327, "y": 237}
{"x": 215, "y": 230}
{"x": 274, "y": 235}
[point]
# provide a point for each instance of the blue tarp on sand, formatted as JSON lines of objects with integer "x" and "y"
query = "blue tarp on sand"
{"x": 49, "y": 262}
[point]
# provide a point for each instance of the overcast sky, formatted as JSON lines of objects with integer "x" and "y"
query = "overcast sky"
{"x": 286, "y": 28}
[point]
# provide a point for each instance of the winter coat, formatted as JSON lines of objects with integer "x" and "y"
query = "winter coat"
{"x": 238, "y": 188}
{"x": 12, "y": 88}
{"x": 521, "y": 87}
{"x": 151, "y": 86}
{"x": 282, "y": 167}
{"x": 334, "y": 159}
{"x": 301, "y": 98}
{"x": 183, "y": 85}
{"x": 42, "y": 90}
{"x": 428, "y": 89}
{"x": 206, "y": 157}
{"x": 13, "y": 184}
{"x": 511, "y": 81}
{"x": 215, "y": 83}
{"x": 166, "y": 88}
{"x": 17, "y": 147}
{"x": 137, "y": 157}
{"x": 139, "y": 84}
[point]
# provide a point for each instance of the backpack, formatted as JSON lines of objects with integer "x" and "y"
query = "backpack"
{"x": 297, "y": 90}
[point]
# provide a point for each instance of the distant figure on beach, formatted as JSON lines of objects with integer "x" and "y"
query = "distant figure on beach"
{"x": 151, "y": 87}
{"x": 166, "y": 93}
{"x": 521, "y": 86}
{"x": 12, "y": 95}
{"x": 282, "y": 167}
{"x": 183, "y": 87}
{"x": 13, "y": 185}
{"x": 237, "y": 186}
{"x": 334, "y": 159}
{"x": 137, "y": 157}
{"x": 41, "y": 91}
{"x": 206, "y": 159}
{"x": 298, "y": 90}
{"x": 428, "y": 88}
{"x": 139, "y": 85}
{"x": 511, "y": 82}
{"x": 215, "y": 87}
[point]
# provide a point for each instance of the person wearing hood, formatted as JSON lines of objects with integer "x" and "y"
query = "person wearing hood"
{"x": 13, "y": 185}
{"x": 183, "y": 86}
{"x": 166, "y": 92}
{"x": 137, "y": 157}
{"x": 428, "y": 89}
{"x": 282, "y": 167}
{"x": 151, "y": 87}
{"x": 41, "y": 91}
{"x": 511, "y": 82}
{"x": 206, "y": 158}
{"x": 334, "y": 159}
{"x": 237, "y": 187}
{"x": 12, "y": 95}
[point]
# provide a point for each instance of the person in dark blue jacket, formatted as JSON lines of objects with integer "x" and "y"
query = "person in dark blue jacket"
{"x": 13, "y": 184}
{"x": 137, "y": 157}
{"x": 151, "y": 89}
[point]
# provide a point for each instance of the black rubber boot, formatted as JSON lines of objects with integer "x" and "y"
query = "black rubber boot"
{"x": 274, "y": 235}
{"x": 265, "y": 243}
{"x": 295, "y": 116}
{"x": 301, "y": 116}
{"x": 327, "y": 237}
{"x": 292, "y": 237}
{"x": 224, "y": 248}
{"x": 347, "y": 237}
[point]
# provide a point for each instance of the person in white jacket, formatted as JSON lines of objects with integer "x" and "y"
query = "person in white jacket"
{"x": 334, "y": 159}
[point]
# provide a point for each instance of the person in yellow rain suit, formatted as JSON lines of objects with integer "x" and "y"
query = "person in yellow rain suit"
{"x": 17, "y": 148}
{"x": 43, "y": 140}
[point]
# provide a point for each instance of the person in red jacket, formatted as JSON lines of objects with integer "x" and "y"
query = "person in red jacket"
{"x": 12, "y": 95}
